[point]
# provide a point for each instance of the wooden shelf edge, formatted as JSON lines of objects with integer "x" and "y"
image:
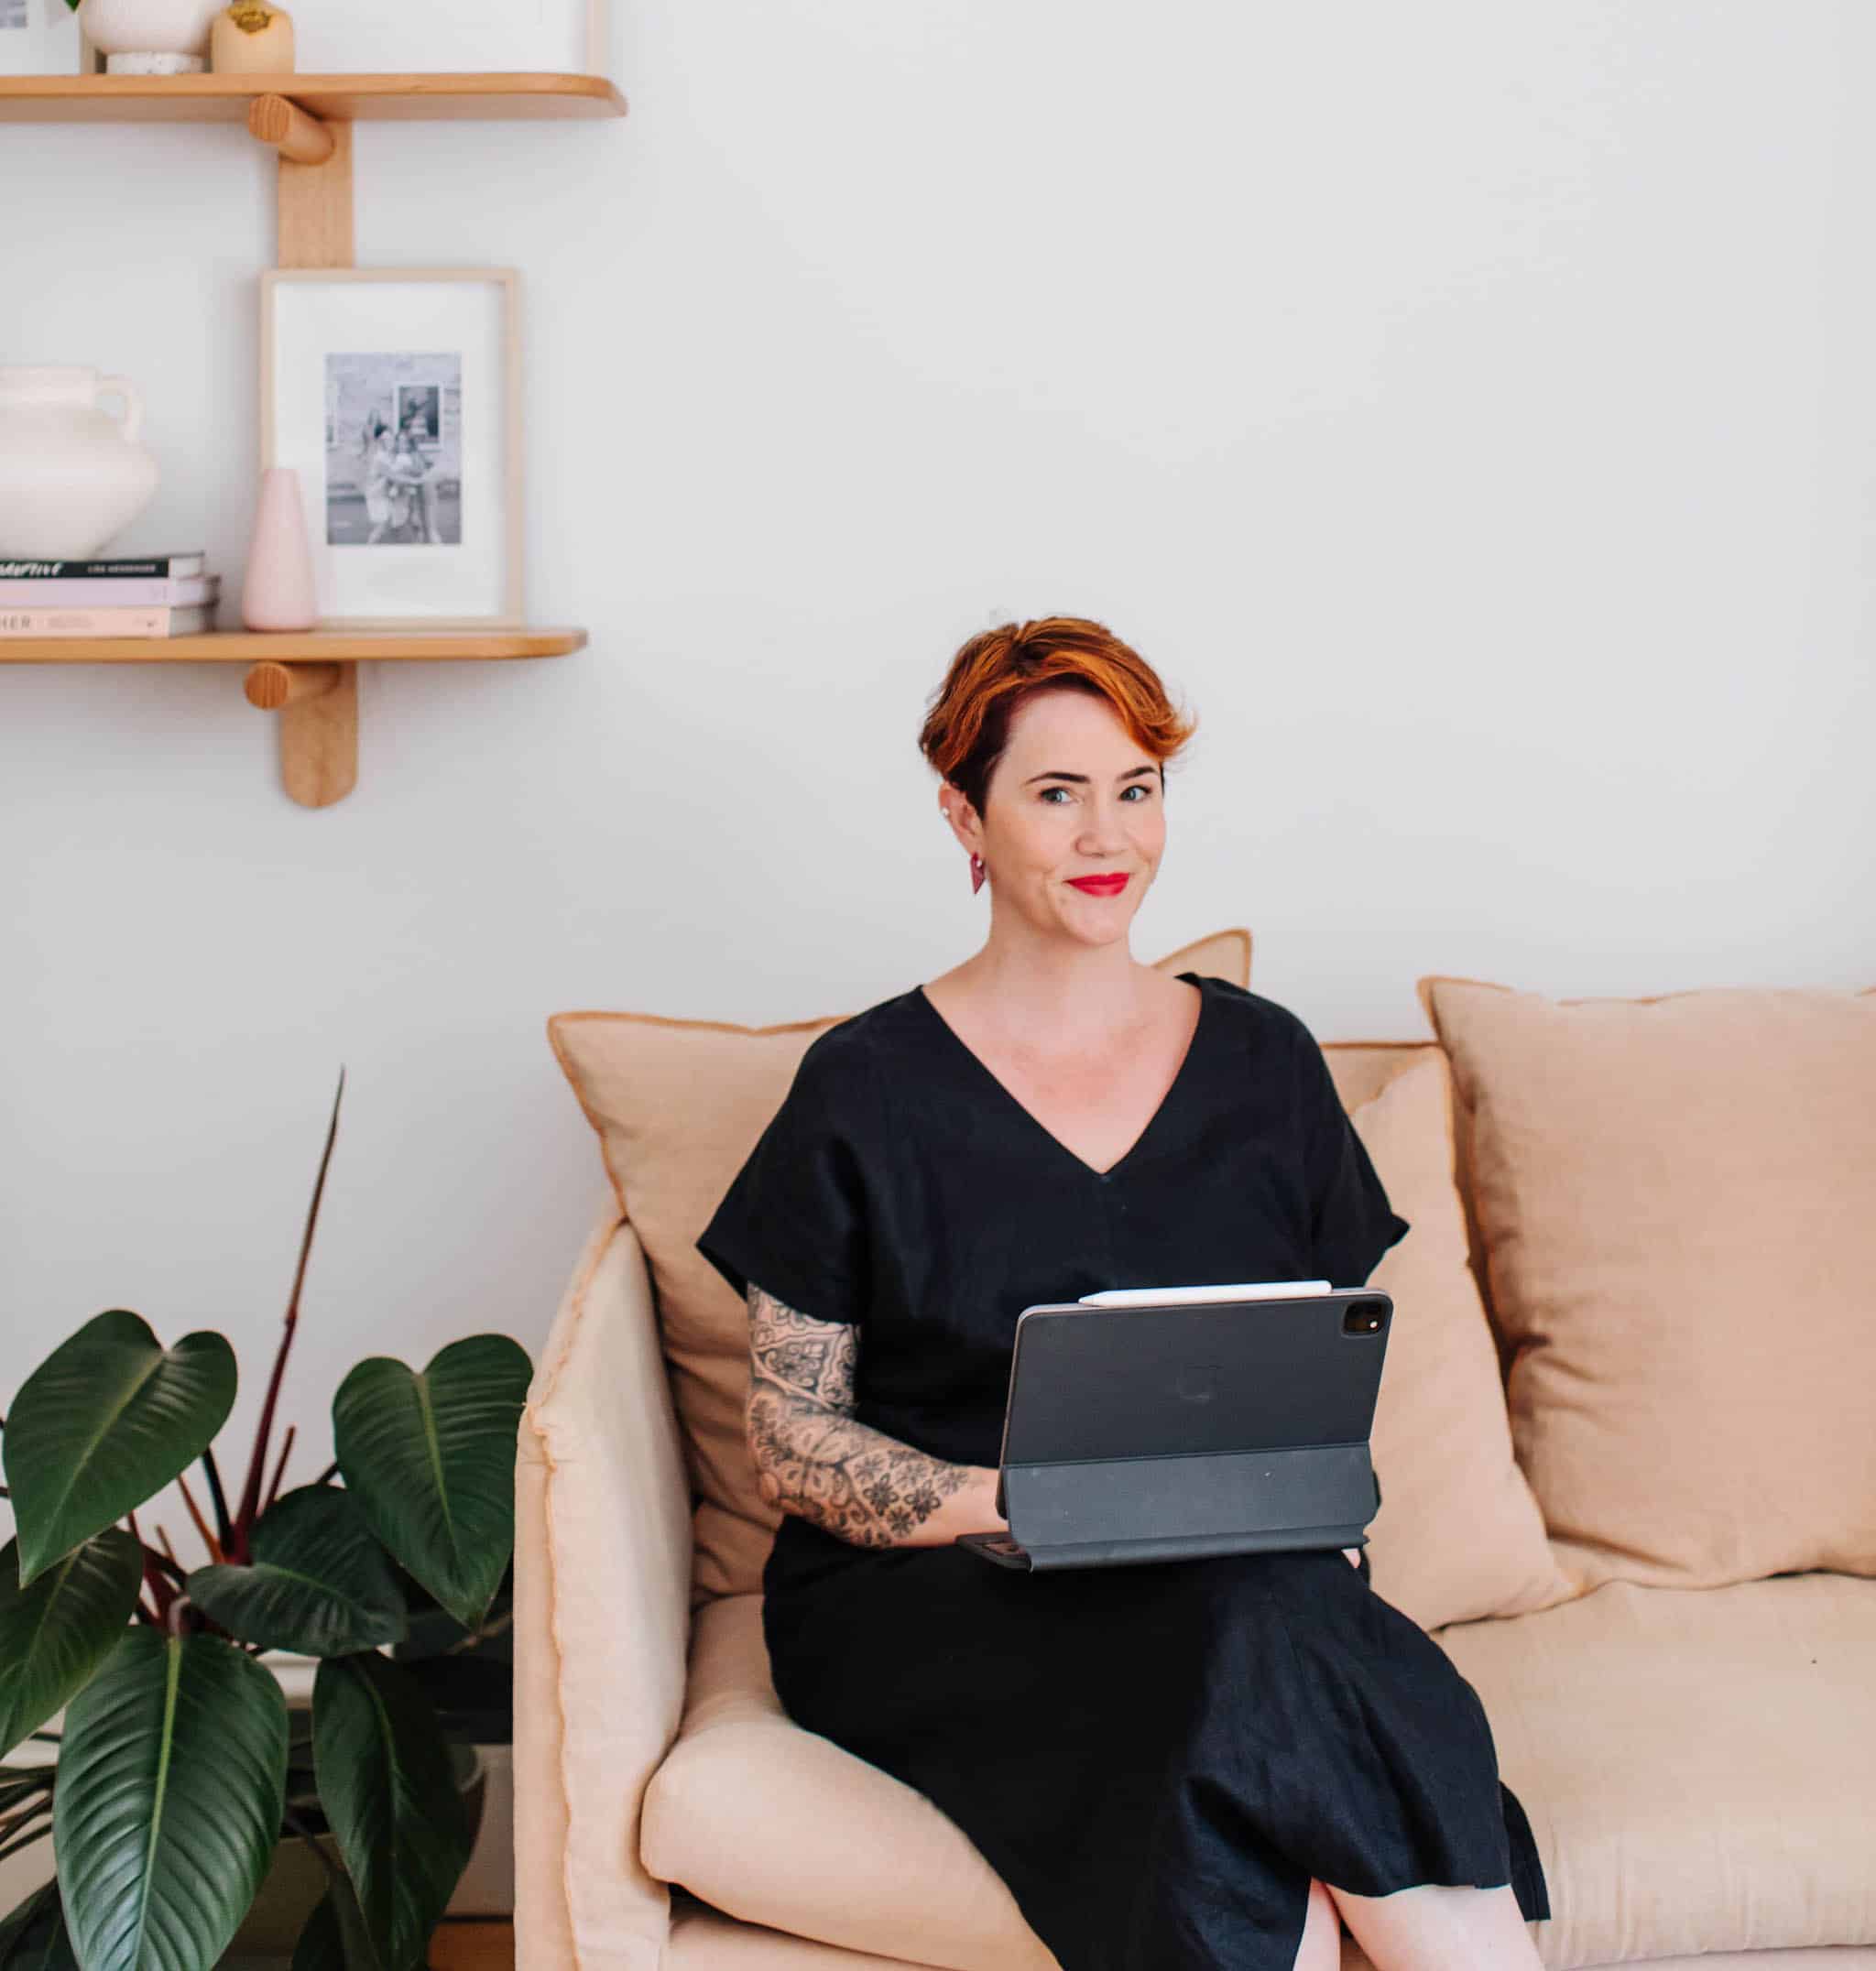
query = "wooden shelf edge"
{"x": 445, "y": 94}
{"x": 305, "y": 647}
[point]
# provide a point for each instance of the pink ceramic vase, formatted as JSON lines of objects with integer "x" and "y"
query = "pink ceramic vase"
{"x": 276, "y": 589}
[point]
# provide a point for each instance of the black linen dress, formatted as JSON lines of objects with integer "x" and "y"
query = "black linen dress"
{"x": 1156, "y": 1759}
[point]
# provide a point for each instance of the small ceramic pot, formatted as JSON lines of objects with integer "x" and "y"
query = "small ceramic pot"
{"x": 177, "y": 28}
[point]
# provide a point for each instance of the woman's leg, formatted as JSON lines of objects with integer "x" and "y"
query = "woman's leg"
{"x": 1321, "y": 1949}
{"x": 1436, "y": 1927}
{"x": 428, "y": 490}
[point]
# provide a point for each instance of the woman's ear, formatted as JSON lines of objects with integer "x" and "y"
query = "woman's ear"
{"x": 961, "y": 815}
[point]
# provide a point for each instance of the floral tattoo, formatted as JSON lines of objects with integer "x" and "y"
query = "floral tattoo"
{"x": 812, "y": 1457}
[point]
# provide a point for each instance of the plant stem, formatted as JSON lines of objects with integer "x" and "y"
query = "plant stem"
{"x": 332, "y": 1471}
{"x": 250, "y": 1491}
{"x": 212, "y": 1472}
{"x": 216, "y": 1552}
{"x": 26, "y": 1840}
{"x": 160, "y": 1590}
{"x": 12, "y": 1826}
{"x": 286, "y": 1452}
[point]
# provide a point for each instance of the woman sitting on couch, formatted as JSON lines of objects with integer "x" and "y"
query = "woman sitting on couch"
{"x": 1198, "y": 1765}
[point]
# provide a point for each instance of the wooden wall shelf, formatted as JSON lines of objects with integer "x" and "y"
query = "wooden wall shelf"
{"x": 308, "y": 676}
{"x": 338, "y": 98}
{"x": 289, "y": 647}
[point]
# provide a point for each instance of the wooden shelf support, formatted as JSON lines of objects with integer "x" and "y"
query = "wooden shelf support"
{"x": 280, "y": 122}
{"x": 318, "y": 708}
{"x": 269, "y": 685}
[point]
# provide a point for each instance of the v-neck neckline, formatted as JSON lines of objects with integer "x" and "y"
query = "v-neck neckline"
{"x": 1138, "y": 1146}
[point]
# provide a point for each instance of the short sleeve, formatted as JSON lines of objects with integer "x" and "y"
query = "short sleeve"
{"x": 794, "y": 1219}
{"x": 1351, "y": 1223}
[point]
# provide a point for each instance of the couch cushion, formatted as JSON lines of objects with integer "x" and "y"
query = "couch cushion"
{"x": 1699, "y": 1767}
{"x": 1458, "y": 1534}
{"x": 678, "y": 1105}
{"x": 1673, "y": 1199}
{"x": 783, "y": 1827}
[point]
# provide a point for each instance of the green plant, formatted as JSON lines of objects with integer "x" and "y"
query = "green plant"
{"x": 177, "y": 1771}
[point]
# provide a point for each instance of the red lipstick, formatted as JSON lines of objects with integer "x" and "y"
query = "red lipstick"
{"x": 1100, "y": 886}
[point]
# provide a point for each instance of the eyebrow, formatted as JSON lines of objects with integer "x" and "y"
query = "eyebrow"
{"x": 1133, "y": 773}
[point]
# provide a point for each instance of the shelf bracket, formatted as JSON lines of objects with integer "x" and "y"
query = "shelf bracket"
{"x": 279, "y": 121}
{"x": 318, "y": 704}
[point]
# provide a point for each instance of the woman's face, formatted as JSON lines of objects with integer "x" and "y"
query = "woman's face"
{"x": 1071, "y": 796}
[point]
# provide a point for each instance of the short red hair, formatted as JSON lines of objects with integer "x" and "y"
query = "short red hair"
{"x": 968, "y": 724}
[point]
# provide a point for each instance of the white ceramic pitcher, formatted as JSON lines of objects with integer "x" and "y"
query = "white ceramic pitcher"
{"x": 71, "y": 474}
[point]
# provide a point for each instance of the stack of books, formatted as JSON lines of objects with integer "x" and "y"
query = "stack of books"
{"x": 145, "y": 596}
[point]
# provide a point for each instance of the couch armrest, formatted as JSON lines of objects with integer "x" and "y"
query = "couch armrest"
{"x": 602, "y": 1617}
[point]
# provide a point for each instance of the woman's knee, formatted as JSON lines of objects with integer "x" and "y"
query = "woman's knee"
{"x": 1321, "y": 1949}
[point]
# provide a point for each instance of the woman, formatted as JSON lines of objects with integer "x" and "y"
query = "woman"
{"x": 411, "y": 468}
{"x": 1205, "y": 1765}
{"x": 374, "y": 458}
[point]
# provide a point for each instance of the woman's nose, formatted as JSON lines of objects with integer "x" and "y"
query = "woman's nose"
{"x": 1104, "y": 827}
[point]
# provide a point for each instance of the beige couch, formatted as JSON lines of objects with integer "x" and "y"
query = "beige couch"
{"x": 1624, "y": 1440}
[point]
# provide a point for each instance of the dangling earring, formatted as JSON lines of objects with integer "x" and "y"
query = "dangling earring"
{"x": 977, "y": 873}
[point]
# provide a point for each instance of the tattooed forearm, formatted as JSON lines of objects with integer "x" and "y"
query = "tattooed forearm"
{"x": 812, "y": 1457}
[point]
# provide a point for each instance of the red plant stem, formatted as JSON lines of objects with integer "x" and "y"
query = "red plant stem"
{"x": 286, "y": 1450}
{"x": 256, "y": 1462}
{"x": 216, "y": 1550}
{"x": 153, "y": 1579}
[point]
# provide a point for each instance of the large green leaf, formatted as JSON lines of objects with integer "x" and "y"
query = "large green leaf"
{"x": 319, "y": 1584}
{"x": 55, "y": 1633}
{"x": 335, "y": 1937}
{"x": 389, "y": 1789}
{"x": 431, "y": 1459}
{"x": 107, "y": 1419}
{"x": 170, "y": 1783}
{"x": 32, "y": 1938}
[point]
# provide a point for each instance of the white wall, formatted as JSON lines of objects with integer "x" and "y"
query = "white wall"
{"x": 1468, "y": 409}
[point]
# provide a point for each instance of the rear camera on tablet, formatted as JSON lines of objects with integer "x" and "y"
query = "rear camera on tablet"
{"x": 1364, "y": 1317}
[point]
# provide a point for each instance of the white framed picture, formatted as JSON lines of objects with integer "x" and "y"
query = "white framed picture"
{"x": 524, "y": 37}
{"x": 395, "y": 393}
{"x": 39, "y": 38}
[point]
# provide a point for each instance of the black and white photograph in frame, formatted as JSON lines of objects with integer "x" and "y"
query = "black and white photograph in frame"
{"x": 395, "y": 394}
{"x": 394, "y": 462}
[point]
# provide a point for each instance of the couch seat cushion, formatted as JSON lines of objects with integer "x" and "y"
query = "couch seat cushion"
{"x": 783, "y": 1827}
{"x": 1699, "y": 1766}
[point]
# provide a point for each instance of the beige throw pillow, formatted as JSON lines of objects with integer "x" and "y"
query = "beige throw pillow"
{"x": 1458, "y": 1535}
{"x": 678, "y": 1105}
{"x": 1673, "y": 1196}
